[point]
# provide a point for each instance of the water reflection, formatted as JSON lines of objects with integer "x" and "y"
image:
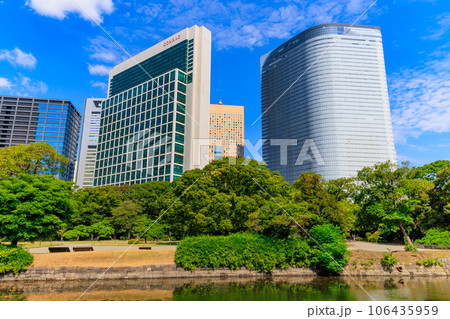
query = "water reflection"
{"x": 296, "y": 288}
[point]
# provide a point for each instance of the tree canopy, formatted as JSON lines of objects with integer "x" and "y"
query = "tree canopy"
{"x": 390, "y": 199}
{"x": 223, "y": 197}
{"x": 33, "y": 207}
{"x": 35, "y": 158}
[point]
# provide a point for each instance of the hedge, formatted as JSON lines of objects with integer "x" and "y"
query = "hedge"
{"x": 257, "y": 252}
{"x": 14, "y": 259}
{"x": 435, "y": 237}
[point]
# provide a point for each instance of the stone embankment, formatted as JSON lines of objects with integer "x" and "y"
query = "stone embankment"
{"x": 171, "y": 271}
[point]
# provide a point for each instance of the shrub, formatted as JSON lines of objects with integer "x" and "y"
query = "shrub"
{"x": 435, "y": 237}
{"x": 409, "y": 247}
{"x": 14, "y": 259}
{"x": 257, "y": 252}
{"x": 332, "y": 255}
{"x": 428, "y": 262}
{"x": 374, "y": 237}
{"x": 388, "y": 260}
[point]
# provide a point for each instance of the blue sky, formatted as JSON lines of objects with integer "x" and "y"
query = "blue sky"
{"x": 55, "y": 49}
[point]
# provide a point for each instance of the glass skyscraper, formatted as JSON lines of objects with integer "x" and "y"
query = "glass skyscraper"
{"x": 26, "y": 120}
{"x": 88, "y": 145}
{"x": 325, "y": 100}
{"x": 156, "y": 112}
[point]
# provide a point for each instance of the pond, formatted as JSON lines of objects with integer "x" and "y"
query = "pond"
{"x": 248, "y": 289}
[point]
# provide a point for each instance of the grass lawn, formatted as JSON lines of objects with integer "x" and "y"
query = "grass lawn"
{"x": 105, "y": 258}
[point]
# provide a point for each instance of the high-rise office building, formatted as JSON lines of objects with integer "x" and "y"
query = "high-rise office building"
{"x": 157, "y": 112}
{"x": 325, "y": 100}
{"x": 25, "y": 120}
{"x": 226, "y": 131}
{"x": 88, "y": 145}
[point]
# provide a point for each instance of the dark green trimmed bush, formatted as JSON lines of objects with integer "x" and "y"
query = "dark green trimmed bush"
{"x": 435, "y": 237}
{"x": 14, "y": 259}
{"x": 257, "y": 252}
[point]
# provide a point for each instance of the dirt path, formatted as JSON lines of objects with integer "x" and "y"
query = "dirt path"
{"x": 360, "y": 245}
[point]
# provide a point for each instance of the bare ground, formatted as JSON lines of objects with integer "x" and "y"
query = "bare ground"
{"x": 402, "y": 256}
{"x": 132, "y": 258}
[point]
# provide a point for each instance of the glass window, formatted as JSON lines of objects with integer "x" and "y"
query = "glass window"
{"x": 182, "y": 87}
{"x": 181, "y": 97}
{"x": 182, "y": 77}
{"x": 179, "y": 148}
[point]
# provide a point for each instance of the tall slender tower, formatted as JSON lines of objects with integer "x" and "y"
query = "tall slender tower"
{"x": 325, "y": 105}
{"x": 88, "y": 146}
{"x": 157, "y": 112}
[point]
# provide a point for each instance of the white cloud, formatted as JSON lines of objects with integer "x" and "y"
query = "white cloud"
{"x": 30, "y": 87}
{"x": 5, "y": 83}
{"x": 99, "y": 69}
{"x": 23, "y": 86}
{"x": 105, "y": 50}
{"x": 442, "y": 28}
{"x": 249, "y": 24}
{"x": 420, "y": 99}
{"x": 99, "y": 84}
{"x": 92, "y": 10}
{"x": 18, "y": 58}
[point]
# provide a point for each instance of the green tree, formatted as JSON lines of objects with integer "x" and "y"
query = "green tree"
{"x": 35, "y": 158}
{"x": 326, "y": 202}
{"x": 439, "y": 214}
{"x": 154, "y": 197}
{"x": 96, "y": 204}
{"x": 34, "y": 207}
{"x": 149, "y": 229}
{"x": 125, "y": 216}
{"x": 219, "y": 199}
{"x": 429, "y": 171}
{"x": 390, "y": 199}
{"x": 101, "y": 229}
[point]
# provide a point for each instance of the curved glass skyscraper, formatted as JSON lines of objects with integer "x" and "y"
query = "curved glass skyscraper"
{"x": 325, "y": 104}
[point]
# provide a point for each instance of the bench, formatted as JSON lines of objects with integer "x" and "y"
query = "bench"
{"x": 59, "y": 249}
{"x": 83, "y": 248}
{"x": 145, "y": 247}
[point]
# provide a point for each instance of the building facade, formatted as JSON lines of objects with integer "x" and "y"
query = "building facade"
{"x": 25, "y": 120}
{"x": 226, "y": 131}
{"x": 325, "y": 105}
{"x": 88, "y": 144}
{"x": 157, "y": 112}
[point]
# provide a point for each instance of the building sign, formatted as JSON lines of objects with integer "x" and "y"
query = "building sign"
{"x": 173, "y": 39}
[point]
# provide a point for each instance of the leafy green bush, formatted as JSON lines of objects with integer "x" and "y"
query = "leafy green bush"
{"x": 409, "y": 247}
{"x": 14, "y": 259}
{"x": 257, "y": 252}
{"x": 428, "y": 262}
{"x": 435, "y": 237}
{"x": 332, "y": 255}
{"x": 374, "y": 237}
{"x": 388, "y": 260}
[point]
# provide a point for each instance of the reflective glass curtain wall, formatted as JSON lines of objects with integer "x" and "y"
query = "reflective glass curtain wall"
{"x": 29, "y": 120}
{"x": 340, "y": 105}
